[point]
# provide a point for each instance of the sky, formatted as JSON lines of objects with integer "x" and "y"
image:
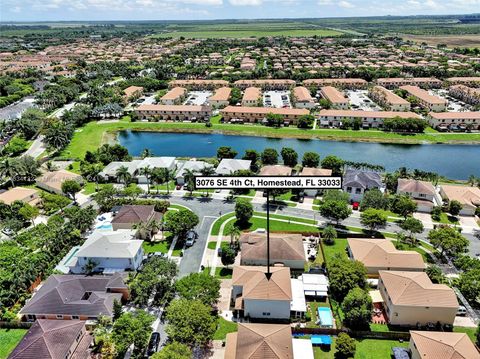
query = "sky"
{"x": 83, "y": 10}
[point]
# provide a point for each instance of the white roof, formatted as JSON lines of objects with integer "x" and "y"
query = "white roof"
{"x": 112, "y": 167}
{"x": 298, "y": 303}
{"x": 229, "y": 165}
{"x": 302, "y": 349}
{"x": 158, "y": 162}
{"x": 194, "y": 166}
{"x": 110, "y": 244}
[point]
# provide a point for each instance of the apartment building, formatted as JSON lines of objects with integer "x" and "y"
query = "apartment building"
{"x": 251, "y": 96}
{"x": 258, "y": 114}
{"x": 174, "y": 97}
{"x": 174, "y": 112}
{"x": 423, "y": 82}
{"x": 334, "y": 118}
{"x": 220, "y": 97}
{"x": 430, "y": 102}
{"x": 335, "y": 97}
{"x": 388, "y": 99}
{"x": 454, "y": 120}
{"x": 198, "y": 84}
{"x": 467, "y": 94}
{"x": 467, "y": 81}
{"x": 350, "y": 84}
{"x": 270, "y": 84}
{"x": 302, "y": 98}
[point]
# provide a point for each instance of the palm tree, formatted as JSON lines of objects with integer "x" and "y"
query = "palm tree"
{"x": 50, "y": 166}
{"x": 147, "y": 172}
{"x": 147, "y": 153}
{"x": 234, "y": 232}
{"x": 167, "y": 176}
{"x": 123, "y": 175}
{"x": 157, "y": 177}
{"x": 189, "y": 178}
{"x": 95, "y": 171}
{"x": 471, "y": 180}
{"x": 207, "y": 171}
{"x": 9, "y": 168}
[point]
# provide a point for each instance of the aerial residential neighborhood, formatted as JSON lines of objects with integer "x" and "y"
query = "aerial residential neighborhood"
{"x": 240, "y": 179}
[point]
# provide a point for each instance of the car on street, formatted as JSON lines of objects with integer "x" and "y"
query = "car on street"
{"x": 153, "y": 343}
{"x": 191, "y": 236}
{"x": 462, "y": 311}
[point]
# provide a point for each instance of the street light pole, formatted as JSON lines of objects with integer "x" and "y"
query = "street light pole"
{"x": 268, "y": 274}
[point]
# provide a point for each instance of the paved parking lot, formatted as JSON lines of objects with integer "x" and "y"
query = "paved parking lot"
{"x": 197, "y": 98}
{"x": 454, "y": 105}
{"x": 15, "y": 110}
{"x": 276, "y": 99}
{"x": 359, "y": 100}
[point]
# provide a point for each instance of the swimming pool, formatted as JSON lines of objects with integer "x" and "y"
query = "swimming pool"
{"x": 325, "y": 318}
{"x": 105, "y": 227}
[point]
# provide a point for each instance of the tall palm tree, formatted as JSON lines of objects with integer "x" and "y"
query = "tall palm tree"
{"x": 147, "y": 172}
{"x": 207, "y": 171}
{"x": 167, "y": 176}
{"x": 9, "y": 168}
{"x": 234, "y": 232}
{"x": 123, "y": 175}
{"x": 471, "y": 180}
{"x": 147, "y": 153}
{"x": 189, "y": 178}
{"x": 95, "y": 171}
{"x": 157, "y": 176}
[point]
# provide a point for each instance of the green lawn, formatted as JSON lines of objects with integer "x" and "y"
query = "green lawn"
{"x": 248, "y": 33}
{"x": 92, "y": 135}
{"x": 279, "y": 216}
{"x": 366, "y": 349}
{"x": 338, "y": 247}
{"x": 447, "y": 219}
{"x": 213, "y": 244}
{"x": 9, "y": 338}
{"x": 218, "y": 223}
{"x": 220, "y": 272}
{"x": 469, "y": 331}
{"x": 277, "y": 226}
{"x": 223, "y": 328}
{"x": 151, "y": 247}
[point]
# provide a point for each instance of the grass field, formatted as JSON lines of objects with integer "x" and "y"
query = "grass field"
{"x": 9, "y": 338}
{"x": 449, "y": 40}
{"x": 247, "y": 33}
{"x": 92, "y": 135}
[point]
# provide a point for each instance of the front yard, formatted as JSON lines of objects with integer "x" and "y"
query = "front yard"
{"x": 9, "y": 339}
{"x": 223, "y": 328}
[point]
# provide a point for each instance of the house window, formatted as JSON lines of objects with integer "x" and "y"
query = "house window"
{"x": 59, "y": 316}
{"x": 349, "y": 189}
{"x": 423, "y": 195}
{"x": 358, "y": 190}
{"x": 265, "y": 314}
{"x": 75, "y": 317}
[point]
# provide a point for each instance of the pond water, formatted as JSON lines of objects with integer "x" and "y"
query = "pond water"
{"x": 452, "y": 161}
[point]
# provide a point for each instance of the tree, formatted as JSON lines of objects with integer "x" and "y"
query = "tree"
{"x": 173, "y": 350}
{"x": 132, "y": 328}
{"x": 374, "y": 198}
{"x": 454, "y": 207}
{"x": 335, "y": 210}
{"x": 329, "y": 235}
{"x": 469, "y": 284}
{"x": 9, "y": 168}
{"x": 449, "y": 240}
{"x": 28, "y": 212}
{"x": 243, "y": 211}
{"x": 334, "y": 163}
{"x": 105, "y": 197}
{"x": 123, "y": 175}
{"x": 132, "y": 191}
{"x": 289, "y": 156}
{"x": 71, "y": 188}
{"x": 57, "y": 134}
{"x": 117, "y": 309}
{"x": 403, "y": 205}
{"x": 436, "y": 213}
{"x": 310, "y": 159}
{"x": 199, "y": 286}
{"x": 168, "y": 176}
{"x": 253, "y": 156}
{"x": 146, "y": 153}
{"x": 412, "y": 226}
{"x": 234, "y": 232}
{"x": 226, "y": 152}
{"x": 345, "y": 275}
{"x": 228, "y": 256}
{"x": 373, "y": 218}
{"x": 180, "y": 222}
{"x": 147, "y": 172}
{"x": 305, "y": 121}
{"x": 357, "y": 308}
{"x": 345, "y": 346}
{"x": 274, "y": 120}
{"x": 190, "y": 322}
{"x": 336, "y": 195}
{"x": 435, "y": 274}
{"x": 269, "y": 156}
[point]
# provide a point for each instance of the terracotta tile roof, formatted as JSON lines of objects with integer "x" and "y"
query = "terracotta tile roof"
{"x": 256, "y": 286}
{"x": 251, "y": 94}
{"x": 367, "y": 114}
{"x": 415, "y": 186}
{"x": 173, "y": 108}
{"x": 275, "y": 170}
{"x": 282, "y": 247}
{"x": 423, "y": 95}
{"x": 333, "y": 95}
{"x": 51, "y": 339}
{"x": 54, "y": 180}
{"x": 134, "y": 214}
{"x": 265, "y": 110}
{"x": 467, "y": 196}
{"x": 309, "y": 171}
{"x": 221, "y": 94}
{"x": 174, "y": 93}
{"x": 381, "y": 253}
{"x": 18, "y": 194}
{"x": 390, "y": 97}
{"x": 302, "y": 94}
{"x": 469, "y": 115}
{"x": 129, "y": 91}
{"x": 416, "y": 289}
{"x": 260, "y": 341}
{"x": 444, "y": 345}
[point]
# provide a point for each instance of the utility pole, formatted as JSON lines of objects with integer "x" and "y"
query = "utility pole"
{"x": 268, "y": 274}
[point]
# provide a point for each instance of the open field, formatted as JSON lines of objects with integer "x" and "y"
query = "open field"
{"x": 248, "y": 33}
{"x": 92, "y": 135}
{"x": 450, "y": 41}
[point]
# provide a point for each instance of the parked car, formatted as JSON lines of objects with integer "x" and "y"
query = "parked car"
{"x": 462, "y": 311}
{"x": 355, "y": 206}
{"x": 153, "y": 343}
{"x": 191, "y": 236}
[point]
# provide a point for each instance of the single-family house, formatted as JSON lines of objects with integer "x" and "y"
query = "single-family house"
{"x": 192, "y": 165}
{"x": 259, "y": 296}
{"x": 52, "y": 181}
{"x": 422, "y": 192}
{"x": 469, "y": 197}
{"x": 229, "y": 166}
{"x": 54, "y": 339}
{"x": 381, "y": 254}
{"x": 439, "y": 345}
{"x": 132, "y": 93}
{"x": 76, "y": 297}
{"x": 311, "y": 171}
{"x": 25, "y": 195}
{"x": 109, "y": 251}
{"x": 285, "y": 249}
{"x": 109, "y": 173}
{"x": 275, "y": 170}
{"x": 410, "y": 299}
{"x": 131, "y": 215}
{"x": 168, "y": 163}
{"x": 357, "y": 182}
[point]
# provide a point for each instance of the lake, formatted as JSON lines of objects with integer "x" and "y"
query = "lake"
{"x": 452, "y": 161}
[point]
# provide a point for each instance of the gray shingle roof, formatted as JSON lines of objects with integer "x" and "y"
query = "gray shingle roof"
{"x": 362, "y": 179}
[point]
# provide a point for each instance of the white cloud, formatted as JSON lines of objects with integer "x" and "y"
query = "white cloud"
{"x": 246, "y": 2}
{"x": 202, "y": 2}
{"x": 346, "y": 5}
